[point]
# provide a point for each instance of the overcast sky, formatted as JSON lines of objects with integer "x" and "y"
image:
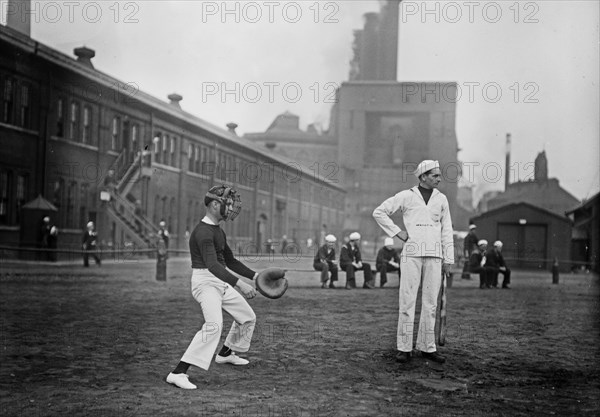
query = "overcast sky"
{"x": 528, "y": 68}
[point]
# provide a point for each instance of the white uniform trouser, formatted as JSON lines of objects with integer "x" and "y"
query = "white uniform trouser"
{"x": 412, "y": 269}
{"x": 214, "y": 296}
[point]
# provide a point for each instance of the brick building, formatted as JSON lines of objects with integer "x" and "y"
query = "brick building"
{"x": 73, "y": 134}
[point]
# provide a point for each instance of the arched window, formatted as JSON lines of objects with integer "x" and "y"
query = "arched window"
{"x": 155, "y": 214}
{"x": 165, "y": 149}
{"x": 60, "y": 117}
{"x": 87, "y": 125}
{"x": 5, "y": 179}
{"x": 25, "y": 106}
{"x": 157, "y": 152}
{"x": 59, "y": 187}
{"x": 71, "y": 219}
{"x": 8, "y": 99}
{"x": 22, "y": 192}
{"x": 163, "y": 214}
{"x": 74, "y": 122}
{"x": 173, "y": 152}
{"x": 83, "y": 205}
{"x": 171, "y": 218}
{"x": 115, "y": 142}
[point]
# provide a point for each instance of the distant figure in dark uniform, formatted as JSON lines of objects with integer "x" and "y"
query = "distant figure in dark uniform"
{"x": 495, "y": 260}
{"x": 388, "y": 260}
{"x": 477, "y": 263}
{"x": 351, "y": 261}
{"x": 270, "y": 247}
{"x": 325, "y": 262}
{"x": 49, "y": 239}
{"x": 163, "y": 233}
{"x": 89, "y": 245}
{"x": 470, "y": 244}
{"x": 45, "y": 237}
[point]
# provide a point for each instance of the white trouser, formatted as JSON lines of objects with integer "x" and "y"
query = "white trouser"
{"x": 412, "y": 269}
{"x": 214, "y": 296}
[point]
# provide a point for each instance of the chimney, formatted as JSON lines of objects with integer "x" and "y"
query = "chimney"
{"x": 507, "y": 163}
{"x": 18, "y": 16}
{"x": 387, "y": 47}
{"x": 174, "y": 100}
{"x": 368, "y": 53}
{"x": 84, "y": 55}
{"x": 231, "y": 127}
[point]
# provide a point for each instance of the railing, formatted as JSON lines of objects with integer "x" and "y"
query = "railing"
{"x": 143, "y": 227}
{"x": 119, "y": 165}
{"x": 128, "y": 176}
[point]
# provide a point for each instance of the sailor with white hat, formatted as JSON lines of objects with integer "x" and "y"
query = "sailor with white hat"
{"x": 428, "y": 250}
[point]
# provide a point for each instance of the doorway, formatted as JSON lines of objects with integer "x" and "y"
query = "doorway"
{"x": 525, "y": 245}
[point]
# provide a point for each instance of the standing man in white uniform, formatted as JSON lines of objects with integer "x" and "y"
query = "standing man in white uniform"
{"x": 428, "y": 250}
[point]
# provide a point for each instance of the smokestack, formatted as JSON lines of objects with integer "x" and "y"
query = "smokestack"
{"x": 367, "y": 60}
{"x": 387, "y": 54}
{"x": 18, "y": 16}
{"x": 507, "y": 163}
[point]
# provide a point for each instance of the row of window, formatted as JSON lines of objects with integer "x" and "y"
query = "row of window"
{"x": 165, "y": 149}
{"x": 73, "y": 199}
{"x": 201, "y": 158}
{"x": 14, "y": 191}
{"x": 16, "y": 102}
{"x": 78, "y": 121}
{"x": 165, "y": 208}
{"x": 75, "y": 121}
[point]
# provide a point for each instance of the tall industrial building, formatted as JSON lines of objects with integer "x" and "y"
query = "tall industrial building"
{"x": 380, "y": 128}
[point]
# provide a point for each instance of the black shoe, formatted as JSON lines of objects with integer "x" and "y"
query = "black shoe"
{"x": 433, "y": 356}
{"x": 331, "y": 286}
{"x": 366, "y": 287}
{"x": 324, "y": 285}
{"x": 403, "y": 357}
{"x": 506, "y": 287}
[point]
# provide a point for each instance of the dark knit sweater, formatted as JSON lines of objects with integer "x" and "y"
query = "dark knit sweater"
{"x": 209, "y": 249}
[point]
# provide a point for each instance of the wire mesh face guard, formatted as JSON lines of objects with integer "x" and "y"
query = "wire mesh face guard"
{"x": 229, "y": 199}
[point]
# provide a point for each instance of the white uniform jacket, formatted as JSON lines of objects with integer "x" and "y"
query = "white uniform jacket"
{"x": 429, "y": 226}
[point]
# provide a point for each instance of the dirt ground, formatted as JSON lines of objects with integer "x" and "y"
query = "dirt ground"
{"x": 100, "y": 342}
